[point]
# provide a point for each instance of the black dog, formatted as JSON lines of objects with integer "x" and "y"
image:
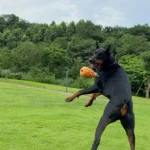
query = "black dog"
{"x": 114, "y": 84}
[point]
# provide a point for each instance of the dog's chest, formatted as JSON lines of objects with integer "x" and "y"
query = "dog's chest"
{"x": 103, "y": 78}
{"x": 105, "y": 82}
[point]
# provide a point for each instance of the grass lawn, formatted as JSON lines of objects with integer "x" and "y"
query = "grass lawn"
{"x": 37, "y": 84}
{"x": 40, "y": 120}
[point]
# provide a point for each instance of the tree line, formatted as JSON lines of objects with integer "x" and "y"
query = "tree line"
{"x": 44, "y": 52}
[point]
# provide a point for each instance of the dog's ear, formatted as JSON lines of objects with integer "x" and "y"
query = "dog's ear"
{"x": 108, "y": 50}
{"x": 97, "y": 46}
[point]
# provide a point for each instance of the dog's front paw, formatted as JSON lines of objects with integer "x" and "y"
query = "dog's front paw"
{"x": 89, "y": 103}
{"x": 69, "y": 99}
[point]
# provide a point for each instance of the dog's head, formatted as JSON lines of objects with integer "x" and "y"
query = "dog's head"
{"x": 101, "y": 57}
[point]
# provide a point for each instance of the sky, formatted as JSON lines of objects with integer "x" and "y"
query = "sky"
{"x": 125, "y": 13}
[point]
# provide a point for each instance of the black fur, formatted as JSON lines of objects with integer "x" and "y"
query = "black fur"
{"x": 113, "y": 83}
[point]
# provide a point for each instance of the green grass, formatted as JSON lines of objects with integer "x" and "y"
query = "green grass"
{"x": 40, "y": 120}
{"x": 40, "y": 85}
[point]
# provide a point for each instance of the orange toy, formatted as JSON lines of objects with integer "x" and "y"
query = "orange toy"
{"x": 87, "y": 72}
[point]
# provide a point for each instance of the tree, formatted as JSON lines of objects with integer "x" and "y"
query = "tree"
{"x": 141, "y": 30}
{"x": 79, "y": 47}
{"x": 86, "y": 29}
{"x": 2, "y": 23}
{"x": 23, "y": 24}
{"x": 146, "y": 59}
{"x": 10, "y": 20}
{"x": 134, "y": 66}
{"x": 71, "y": 29}
{"x": 130, "y": 44}
{"x": 6, "y": 58}
{"x": 41, "y": 52}
{"x": 26, "y": 56}
{"x": 55, "y": 59}
{"x": 113, "y": 42}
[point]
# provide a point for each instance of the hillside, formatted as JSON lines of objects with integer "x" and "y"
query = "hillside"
{"x": 44, "y": 52}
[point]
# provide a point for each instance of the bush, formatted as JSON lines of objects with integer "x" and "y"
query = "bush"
{"x": 27, "y": 76}
{"x": 62, "y": 82}
{"x": 17, "y": 76}
{"x": 38, "y": 75}
{"x": 49, "y": 79}
{"x": 81, "y": 82}
{"x": 6, "y": 73}
{"x": 45, "y": 77}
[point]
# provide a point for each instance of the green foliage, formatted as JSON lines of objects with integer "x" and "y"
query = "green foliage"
{"x": 6, "y": 73}
{"x": 81, "y": 83}
{"x": 140, "y": 30}
{"x": 134, "y": 67}
{"x": 86, "y": 29}
{"x": 43, "y": 53}
{"x": 26, "y": 55}
{"x": 130, "y": 44}
{"x": 146, "y": 57}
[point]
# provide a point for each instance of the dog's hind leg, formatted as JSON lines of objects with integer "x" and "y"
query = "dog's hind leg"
{"x": 99, "y": 131}
{"x": 128, "y": 124}
{"x": 111, "y": 114}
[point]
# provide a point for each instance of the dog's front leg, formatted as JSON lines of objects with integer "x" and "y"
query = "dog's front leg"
{"x": 93, "y": 97}
{"x": 93, "y": 89}
{"x": 71, "y": 98}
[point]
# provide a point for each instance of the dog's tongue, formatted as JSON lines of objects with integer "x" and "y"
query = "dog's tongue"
{"x": 96, "y": 65}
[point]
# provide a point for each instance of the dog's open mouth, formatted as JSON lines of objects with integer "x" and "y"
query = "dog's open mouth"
{"x": 95, "y": 65}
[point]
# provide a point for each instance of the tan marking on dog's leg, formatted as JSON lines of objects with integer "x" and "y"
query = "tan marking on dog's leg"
{"x": 124, "y": 109}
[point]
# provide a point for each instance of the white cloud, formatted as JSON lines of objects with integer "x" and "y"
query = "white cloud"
{"x": 104, "y": 12}
{"x": 108, "y": 16}
{"x": 41, "y": 10}
{"x": 65, "y": 11}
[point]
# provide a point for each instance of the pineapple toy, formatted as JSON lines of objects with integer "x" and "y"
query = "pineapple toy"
{"x": 87, "y": 72}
